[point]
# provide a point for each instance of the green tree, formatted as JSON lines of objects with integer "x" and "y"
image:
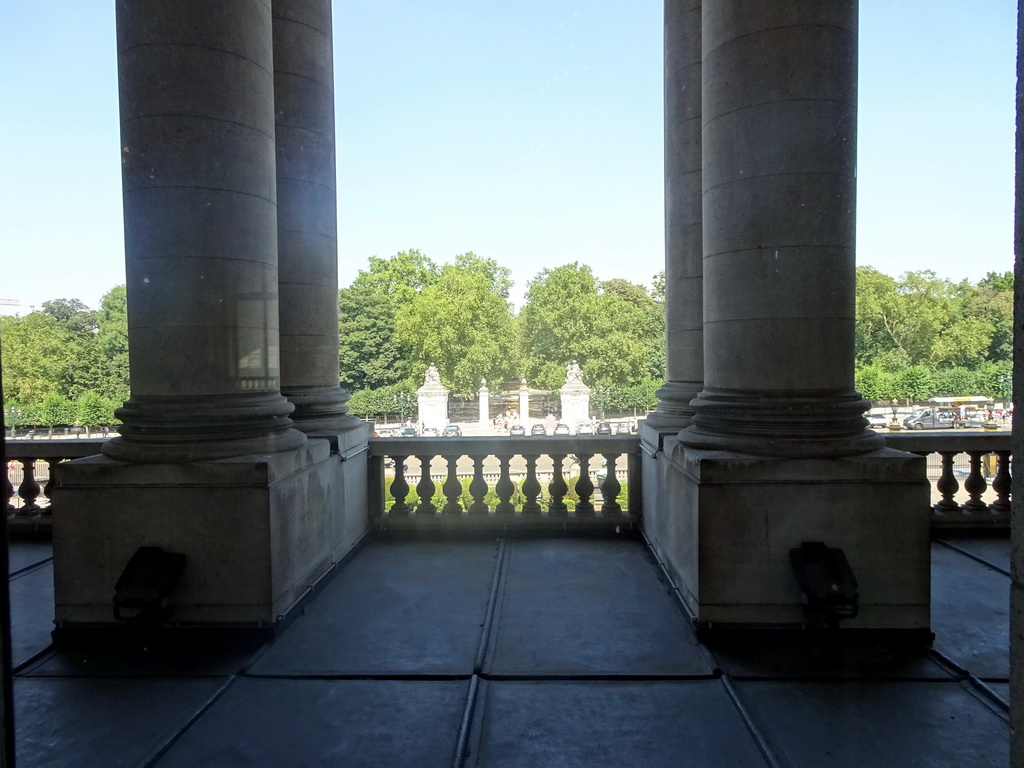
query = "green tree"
{"x": 559, "y": 318}
{"x": 875, "y": 383}
{"x": 369, "y": 353}
{"x": 36, "y": 358}
{"x": 463, "y": 324}
{"x": 55, "y": 410}
{"x": 955, "y": 382}
{"x": 112, "y": 340}
{"x": 913, "y": 384}
{"x": 93, "y": 410}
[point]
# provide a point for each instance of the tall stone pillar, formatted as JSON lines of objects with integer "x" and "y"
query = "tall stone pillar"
{"x": 307, "y": 219}
{"x": 524, "y": 403}
{"x": 684, "y": 303}
{"x": 778, "y": 452}
{"x": 1017, "y": 439}
{"x": 485, "y": 404}
{"x": 779, "y": 180}
{"x": 200, "y": 219}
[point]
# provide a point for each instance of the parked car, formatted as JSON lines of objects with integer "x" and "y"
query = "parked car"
{"x": 603, "y": 428}
{"x": 561, "y": 429}
{"x": 429, "y": 432}
{"x": 517, "y": 430}
{"x": 877, "y": 420}
{"x": 538, "y": 429}
{"x": 940, "y": 418}
{"x": 622, "y": 428}
{"x": 452, "y": 430}
{"x": 408, "y": 432}
{"x": 388, "y": 432}
{"x": 585, "y": 428}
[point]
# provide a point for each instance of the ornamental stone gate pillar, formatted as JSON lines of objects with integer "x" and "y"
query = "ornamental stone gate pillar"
{"x": 485, "y": 405}
{"x": 778, "y": 452}
{"x": 208, "y": 464}
{"x": 307, "y": 215}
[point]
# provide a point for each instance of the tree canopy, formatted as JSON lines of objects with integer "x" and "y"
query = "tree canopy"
{"x": 917, "y": 336}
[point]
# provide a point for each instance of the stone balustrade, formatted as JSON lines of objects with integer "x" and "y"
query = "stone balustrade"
{"x": 517, "y": 481}
{"x": 981, "y": 459}
{"x": 505, "y": 482}
{"x": 28, "y": 479}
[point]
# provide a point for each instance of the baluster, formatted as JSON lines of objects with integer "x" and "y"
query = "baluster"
{"x": 400, "y": 488}
{"x": 51, "y": 471}
{"x": 557, "y": 487}
{"x": 504, "y": 488}
{"x": 947, "y": 485}
{"x": 1001, "y": 484}
{"x": 452, "y": 489}
{"x": 425, "y": 487}
{"x": 975, "y": 485}
{"x": 531, "y": 487}
{"x": 478, "y": 488}
{"x": 8, "y": 492}
{"x": 610, "y": 488}
{"x": 585, "y": 488}
{"x": 29, "y": 489}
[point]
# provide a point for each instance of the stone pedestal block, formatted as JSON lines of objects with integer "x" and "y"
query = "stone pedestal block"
{"x": 575, "y": 403}
{"x": 727, "y": 521}
{"x": 257, "y": 531}
{"x": 433, "y": 408}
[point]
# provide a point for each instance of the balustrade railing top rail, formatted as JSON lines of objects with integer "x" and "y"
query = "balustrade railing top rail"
{"x": 982, "y": 458}
{"x": 500, "y": 480}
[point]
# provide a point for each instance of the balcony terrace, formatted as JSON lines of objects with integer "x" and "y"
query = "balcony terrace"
{"x": 561, "y": 642}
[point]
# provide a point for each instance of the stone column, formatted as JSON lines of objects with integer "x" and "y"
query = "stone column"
{"x": 307, "y": 219}
{"x": 779, "y": 110}
{"x": 200, "y": 221}
{"x": 684, "y": 302}
{"x": 524, "y": 403}
{"x": 485, "y": 404}
{"x": 1017, "y": 439}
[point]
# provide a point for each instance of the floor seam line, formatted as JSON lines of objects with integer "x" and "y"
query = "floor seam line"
{"x": 974, "y": 557}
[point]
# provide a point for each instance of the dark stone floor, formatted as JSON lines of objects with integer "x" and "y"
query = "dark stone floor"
{"x": 520, "y": 652}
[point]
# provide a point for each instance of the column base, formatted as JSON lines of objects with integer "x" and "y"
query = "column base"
{"x": 257, "y": 531}
{"x": 321, "y": 409}
{"x": 674, "y": 408}
{"x": 727, "y": 522}
{"x": 790, "y": 425}
{"x": 189, "y": 429}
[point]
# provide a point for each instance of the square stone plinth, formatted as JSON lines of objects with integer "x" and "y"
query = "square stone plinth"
{"x": 726, "y": 522}
{"x": 257, "y": 531}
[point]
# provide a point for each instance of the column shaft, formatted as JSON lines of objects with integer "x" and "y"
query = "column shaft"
{"x": 197, "y": 139}
{"x": 779, "y": 85}
{"x": 307, "y": 219}
{"x": 684, "y": 304}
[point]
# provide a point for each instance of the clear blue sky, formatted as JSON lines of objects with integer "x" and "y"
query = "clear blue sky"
{"x": 529, "y": 132}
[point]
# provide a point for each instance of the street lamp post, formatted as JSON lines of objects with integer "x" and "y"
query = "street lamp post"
{"x": 1006, "y": 379}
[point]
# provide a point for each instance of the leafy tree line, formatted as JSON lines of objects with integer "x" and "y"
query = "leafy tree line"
{"x": 917, "y": 336}
{"x": 405, "y": 312}
{"x": 921, "y": 336}
{"x": 65, "y": 363}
